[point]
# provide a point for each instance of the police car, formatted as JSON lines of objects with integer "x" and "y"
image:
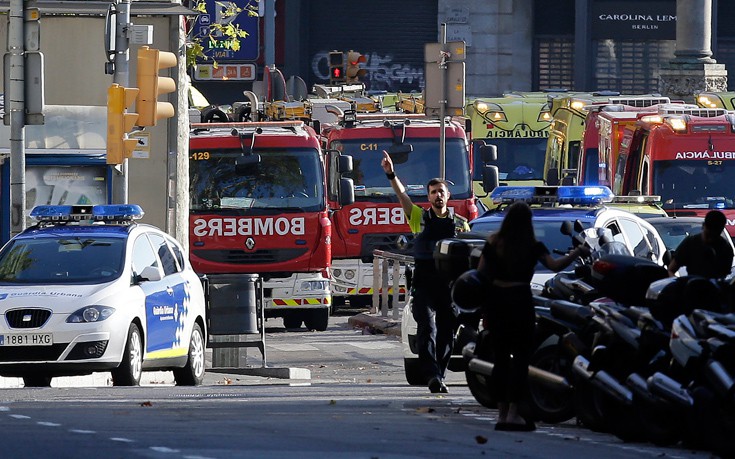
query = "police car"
{"x": 88, "y": 289}
{"x": 551, "y": 206}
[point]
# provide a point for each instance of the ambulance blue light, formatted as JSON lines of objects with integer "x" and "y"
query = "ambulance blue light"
{"x": 113, "y": 212}
{"x": 584, "y": 194}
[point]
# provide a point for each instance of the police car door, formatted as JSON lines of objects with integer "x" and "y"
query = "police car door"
{"x": 159, "y": 304}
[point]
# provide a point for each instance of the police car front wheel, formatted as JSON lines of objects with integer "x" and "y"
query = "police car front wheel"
{"x": 192, "y": 373}
{"x": 131, "y": 367}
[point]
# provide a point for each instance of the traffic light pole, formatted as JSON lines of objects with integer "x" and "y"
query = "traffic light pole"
{"x": 15, "y": 109}
{"x": 121, "y": 77}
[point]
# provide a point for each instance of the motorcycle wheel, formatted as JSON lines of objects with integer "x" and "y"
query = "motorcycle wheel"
{"x": 622, "y": 420}
{"x": 479, "y": 385}
{"x": 587, "y": 407}
{"x": 660, "y": 427}
{"x": 547, "y": 404}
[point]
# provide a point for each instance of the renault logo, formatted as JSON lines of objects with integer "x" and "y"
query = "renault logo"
{"x": 250, "y": 243}
{"x": 402, "y": 242}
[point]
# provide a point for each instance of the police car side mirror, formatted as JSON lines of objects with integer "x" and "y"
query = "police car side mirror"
{"x": 150, "y": 273}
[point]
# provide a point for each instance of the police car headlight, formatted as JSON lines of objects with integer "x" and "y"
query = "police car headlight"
{"x": 350, "y": 274}
{"x": 314, "y": 285}
{"x": 90, "y": 314}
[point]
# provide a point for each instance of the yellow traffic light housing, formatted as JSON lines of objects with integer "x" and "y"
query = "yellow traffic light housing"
{"x": 150, "y": 62}
{"x": 353, "y": 71}
{"x": 119, "y": 123}
{"x": 336, "y": 67}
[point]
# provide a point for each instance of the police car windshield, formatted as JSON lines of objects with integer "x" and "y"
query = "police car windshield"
{"x": 62, "y": 260}
{"x": 695, "y": 184}
{"x": 547, "y": 231}
{"x": 518, "y": 159}
{"x": 414, "y": 169}
{"x": 288, "y": 178}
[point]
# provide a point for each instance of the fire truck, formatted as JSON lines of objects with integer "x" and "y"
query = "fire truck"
{"x": 258, "y": 204}
{"x": 686, "y": 155}
{"x": 603, "y": 130}
{"x": 518, "y": 125}
{"x": 375, "y": 220}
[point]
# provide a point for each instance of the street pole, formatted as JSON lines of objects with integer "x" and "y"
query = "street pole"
{"x": 443, "y": 103}
{"x": 270, "y": 34}
{"x": 16, "y": 48}
{"x": 121, "y": 77}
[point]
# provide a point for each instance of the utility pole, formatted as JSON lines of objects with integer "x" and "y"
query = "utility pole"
{"x": 16, "y": 110}
{"x": 121, "y": 77}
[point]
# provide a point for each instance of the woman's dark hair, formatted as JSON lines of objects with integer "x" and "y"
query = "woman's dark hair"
{"x": 516, "y": 234}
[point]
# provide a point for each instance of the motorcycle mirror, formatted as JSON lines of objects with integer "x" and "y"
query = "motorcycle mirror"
{"x": 578, "y": 227}
{"x": 566, "y": 228}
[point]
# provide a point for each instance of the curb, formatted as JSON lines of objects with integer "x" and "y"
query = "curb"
{"x": 376, "y": 324}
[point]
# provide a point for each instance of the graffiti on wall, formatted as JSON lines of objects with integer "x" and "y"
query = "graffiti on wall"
{"x": 382, "y": 72}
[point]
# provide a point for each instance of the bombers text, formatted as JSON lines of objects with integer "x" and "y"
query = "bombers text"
{"x": 243, "y": 226}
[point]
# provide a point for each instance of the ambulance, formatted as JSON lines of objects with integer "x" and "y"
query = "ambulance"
{"x": 518, "y": 125}
{"x": 684, "y": 154}
{"x": 724, "y": 100}
{"x": 258, "y": 205}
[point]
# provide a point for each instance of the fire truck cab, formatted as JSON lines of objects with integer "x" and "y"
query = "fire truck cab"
{"x": 375, "y": 220}
{"x": 258, "y": 204}
{"x": 686, "y": 155}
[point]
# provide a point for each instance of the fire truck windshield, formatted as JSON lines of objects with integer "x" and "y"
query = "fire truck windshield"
{"x": 518, "y": 159}
{"x": 695, "y": 184}
{"x": 415, "y": 169}
{"x": 285, "y": 179}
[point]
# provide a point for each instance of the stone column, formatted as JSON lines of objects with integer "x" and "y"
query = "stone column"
{"x": 692, "y": 70}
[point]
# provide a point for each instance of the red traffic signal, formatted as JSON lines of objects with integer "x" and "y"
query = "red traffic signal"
{"x": 336, "y": 67}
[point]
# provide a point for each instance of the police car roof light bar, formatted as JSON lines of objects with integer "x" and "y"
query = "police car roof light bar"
{"x": 652, "y": 199}
{"x": 580, "y": 195}
{"x": 112, "y": 212}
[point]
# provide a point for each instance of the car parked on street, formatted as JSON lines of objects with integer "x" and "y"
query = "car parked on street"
{"x": 88, "y": 289}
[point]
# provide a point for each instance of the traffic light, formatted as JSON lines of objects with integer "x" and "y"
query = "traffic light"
{"x": 119, "y": 123}
{"x": 150, "y": 62}
{"x": 336, "y": 67}
{"x": 354, "y": 72}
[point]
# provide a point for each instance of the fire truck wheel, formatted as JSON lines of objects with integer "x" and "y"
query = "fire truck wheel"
{"x": 318, "y": 319}
{"x": 214, "y": 114}
{"x": 292, "y": 320}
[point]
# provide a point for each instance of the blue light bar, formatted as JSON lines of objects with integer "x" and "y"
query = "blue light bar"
{"x": 580, "y": 195}
{"x": 504, "y": 194}
{"x": 113, "y": 212}
{"x": 585, "y": 195}
{"x": 117, "y": 212}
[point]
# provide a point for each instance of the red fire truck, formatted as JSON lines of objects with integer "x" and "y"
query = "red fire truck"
{"x": 603, "y": 128}
{"x": 376, "y": 220}
{"x": 686, "y": 155}
{"x": 258, "y": 204}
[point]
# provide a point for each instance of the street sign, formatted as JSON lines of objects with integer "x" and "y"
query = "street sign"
{"x": 215, "y": 44}
{"x": 444, "y": 63}
{"x": 225, "y": 72}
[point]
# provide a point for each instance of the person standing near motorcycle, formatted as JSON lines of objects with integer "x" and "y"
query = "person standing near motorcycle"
{"x": 705, "y": 254}
{"x": 508, "y": 259}
{"x": 431, "y": 303}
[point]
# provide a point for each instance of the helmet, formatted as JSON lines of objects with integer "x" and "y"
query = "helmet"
{"x": 469, "y": 291}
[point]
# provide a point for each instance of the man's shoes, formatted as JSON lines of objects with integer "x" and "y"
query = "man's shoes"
{"x": 437, "y": 386}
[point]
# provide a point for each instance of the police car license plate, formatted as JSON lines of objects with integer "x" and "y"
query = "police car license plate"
{"x": 27, "y": 339}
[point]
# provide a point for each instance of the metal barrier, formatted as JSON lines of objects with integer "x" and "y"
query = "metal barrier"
{"x": 383, "y": 260}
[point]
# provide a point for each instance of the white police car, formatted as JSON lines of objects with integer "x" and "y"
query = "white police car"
{"x": 551, "y": 206}
{"x": 87, "y": 289}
